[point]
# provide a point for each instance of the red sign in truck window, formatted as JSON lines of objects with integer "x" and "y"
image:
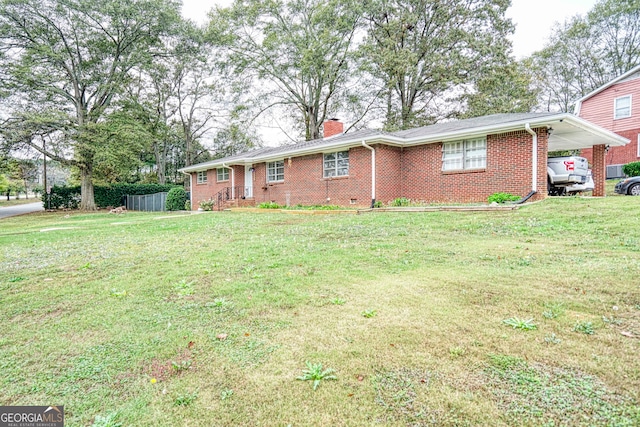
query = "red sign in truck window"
{"x": 568, "y": 164}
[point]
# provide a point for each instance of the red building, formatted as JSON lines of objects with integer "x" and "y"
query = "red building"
{"x": 453, "y": 162}
{"x": 616, "y": 106}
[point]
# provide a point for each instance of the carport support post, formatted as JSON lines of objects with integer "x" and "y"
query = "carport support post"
{"x": 598, "y": 169}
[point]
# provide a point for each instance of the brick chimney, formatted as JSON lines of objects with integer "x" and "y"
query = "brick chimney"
{"x": 332, "y": 127}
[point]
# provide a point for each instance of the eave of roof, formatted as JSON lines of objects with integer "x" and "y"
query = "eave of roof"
{"x": 450, "y": 131}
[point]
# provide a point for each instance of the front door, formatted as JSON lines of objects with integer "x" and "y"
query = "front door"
{"x": 248, "y": 181}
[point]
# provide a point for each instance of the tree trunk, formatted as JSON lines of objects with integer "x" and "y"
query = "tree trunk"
{"x": 161, "y": 162}
{"x": 188, "y": 147}
{"x": 313, "y": 127}
{"x": 87, "y": 203}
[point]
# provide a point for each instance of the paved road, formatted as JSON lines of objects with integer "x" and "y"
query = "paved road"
{"x": 20, "y": 209}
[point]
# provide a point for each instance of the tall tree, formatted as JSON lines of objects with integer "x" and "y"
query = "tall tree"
{"x": 615, "y": 24}
{"x": 198, "y": 92}
{"x": 177, "y": 97}
{"x": 585, "y": 52}
{"x": 299, "y": 51}
{"x": 65, "y": 62}
{"x": 505, "y": 88}
{"x": 23, "y": 171}
{"x": 422, "y": 49}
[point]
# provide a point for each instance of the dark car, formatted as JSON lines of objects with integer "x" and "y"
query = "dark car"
{"x": 630, "y": 186}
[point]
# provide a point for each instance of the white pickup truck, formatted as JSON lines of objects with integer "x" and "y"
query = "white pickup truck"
{"x": 565, "y": 171}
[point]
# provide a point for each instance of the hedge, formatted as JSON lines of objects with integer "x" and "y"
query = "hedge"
{"x": 631, "y": 169}
{"x": 176, "y": 199}
{"x": 113, "y": 195}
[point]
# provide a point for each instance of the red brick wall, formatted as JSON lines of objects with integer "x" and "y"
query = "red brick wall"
{"x": 208, "y": 190}
{"x": 508, "y": 170}
{"x": 619, "y": 155}
{"x": 304, "y": 183}
{"x": 389, "y": 181}
{"x": 413, "y": 172}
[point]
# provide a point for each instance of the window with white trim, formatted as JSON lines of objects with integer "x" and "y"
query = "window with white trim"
{"x": 336, "y": 164}
{"x": 622, "y": 107}
{"x": 275, "y": 171}
{"x": 638, "y": 145}
{"x": 462, "y": 155}
{"x": 223, "y": 174}
{"x": 202, "y": 177}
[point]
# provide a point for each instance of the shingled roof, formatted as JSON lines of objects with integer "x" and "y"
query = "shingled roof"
{"x": 570, "y": 132}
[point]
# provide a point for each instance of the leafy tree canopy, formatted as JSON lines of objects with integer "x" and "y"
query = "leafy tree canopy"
{"x": 424, "y": 50}
{"x": 586, "y": 52}
{"x": 64, "y": 63}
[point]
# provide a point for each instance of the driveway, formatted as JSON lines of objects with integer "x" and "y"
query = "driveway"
{"x": 20, "y": 209}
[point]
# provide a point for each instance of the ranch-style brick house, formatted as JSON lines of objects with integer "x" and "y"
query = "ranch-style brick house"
{"x": 615, "y": 106}
{"x": 453, "y": 162}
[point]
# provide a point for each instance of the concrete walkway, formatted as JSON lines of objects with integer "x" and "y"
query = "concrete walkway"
{"x": 20, "y": 209}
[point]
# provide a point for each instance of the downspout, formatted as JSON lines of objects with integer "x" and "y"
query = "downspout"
{"x": 534, "y": 158}
{"x": 373, "y": 173}
{"x": 233, "y": 181}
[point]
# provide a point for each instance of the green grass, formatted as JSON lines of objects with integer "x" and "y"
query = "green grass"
{"x": 118, "y": 317}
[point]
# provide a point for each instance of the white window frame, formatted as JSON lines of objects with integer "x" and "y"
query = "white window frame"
{"x": 638, "y": 153}
{"x": 202, "y": 177}
{"x": 468, "y": 154}
{"x": 275, "y": 171}
{"x": 616, "y": 109}
{"x": 335, "y": 164}
{"x": 224, "y": 176}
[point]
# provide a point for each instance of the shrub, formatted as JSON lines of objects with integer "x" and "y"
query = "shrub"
{"x": 377, "y": 204}
{"x": 401, "y": 201}
{"x": 105, "y": 195}
{"x": 176, "y": 198}
{"x": 62, "y": 197}
{"x": 187, "y": 205}
{"x": 502, "y": 198}
{"x": 269, "y": 205}
{"x": 631, "y": 169}
{"x": 113, "y": 195}
{"x": 207, "y": 205}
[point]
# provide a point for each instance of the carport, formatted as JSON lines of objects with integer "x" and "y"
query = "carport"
{"x": 569, "y": 132}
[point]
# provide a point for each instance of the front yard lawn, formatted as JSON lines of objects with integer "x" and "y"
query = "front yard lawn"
{"x": 526, "y": 317}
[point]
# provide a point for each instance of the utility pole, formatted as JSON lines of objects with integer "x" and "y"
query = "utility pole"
{"x": 44, "y": 166}
{"x": 44, "y": 172}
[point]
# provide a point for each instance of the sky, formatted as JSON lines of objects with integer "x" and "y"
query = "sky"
{"x": 534, "y": 19}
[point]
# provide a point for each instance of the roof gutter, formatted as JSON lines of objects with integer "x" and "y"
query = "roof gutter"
{"x": 373, "y": 173}
{"x": 612, "y": 139}
{"x": 534, "y": 157}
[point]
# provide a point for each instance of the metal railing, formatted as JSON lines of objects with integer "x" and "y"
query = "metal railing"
{"x": 232, "y": 193}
